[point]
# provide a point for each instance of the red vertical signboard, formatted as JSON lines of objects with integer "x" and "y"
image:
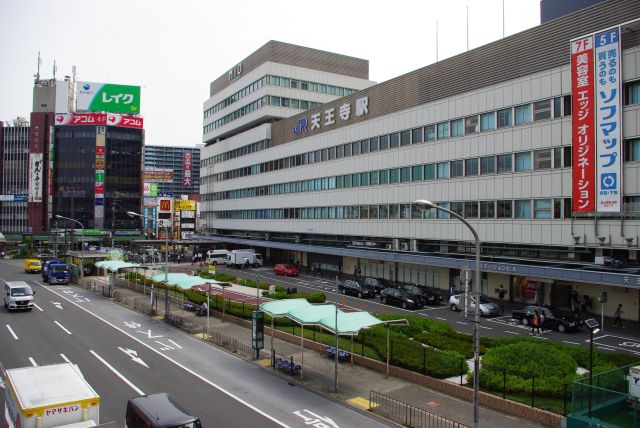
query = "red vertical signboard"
{"x": 583, "y": 125}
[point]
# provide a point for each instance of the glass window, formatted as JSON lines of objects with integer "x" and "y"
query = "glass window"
{"x": 275, "y": 80}
{"x": 471, "y": 167}
{"x": 285, "y": 102}
{"x": 542, "y": 110}
{"x": 523, "y": 161}
{"x": 542, "y": 159}
{"x": 405, "y": 138}
{"x": 632, "y": 150}
{"x": 275, "y": 101}
{"x": 416, "y": 136}
{"x": 384, "y": 142}
{"x": 416, "y": 211}
{"x": 285, "y": 82}
{"x": 557, "y": 107}
{"x": 430, "y": 171}
{"x": 505, "y": 209}
{"x": 373, "y": 211}
{"x": 355, "y": 180}
{"x": 504, "y": 163}
{"x": 567, "y": 208}
{"x": 347, "y": 181}
{"x": 384, "y": 176}
{"x": 383, "y": 211}
{"x": 394, "y": 211}
{"x": 557, "y": 157}
{"x": 394, "y": 175}
{"x": 443, "y": 170}
{"x": 443, "y": 130}
{"x": 457, "y": 128}
{"x": 557, "y": 208}
{"x": 487, "y": 121}
{"x": 394, "y": 140}
{"x": 295, "y": 103}
{"x": 374, "y": 144}
{"x": 471, "y": 209}
{"x": 523, "y": 114}
{"x": 522, "y": 208}
{"x": 488, "y": 165}
{"x": 443, "y": 214}
{"x": 542, "y": 208}
{"x": 458, "y": 208}
{"x": 355, "y": 148}
{"x": 347, "y": 150}
{"x": 364, "y": 178}
{"x": 471, "y": 124}
{"x": 567, "y": 156}
{"x": 456, "y": 168}
{"x": 405, "y": 174}
{"x": 364, "y": 211}
{"x": 505, "y": 118}
{"x": 430, "y": 133}
{"x": 339, "y": 182}
{"x": 416, "y": 173}
{"x": 405, "y": 211}
{"x": 373, "y": 178}
{"x": 339, "y": 152}
{"x": 364, "y": 146}
{"x": 487, "y": 209}
{"x": 632, "y": 93}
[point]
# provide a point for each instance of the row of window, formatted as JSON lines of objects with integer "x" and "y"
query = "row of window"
{"x": 240, "y": 151}
{"x": 519, "y": 209}
{"x": 557, "y": 157}
{"x": 284, "y": 82}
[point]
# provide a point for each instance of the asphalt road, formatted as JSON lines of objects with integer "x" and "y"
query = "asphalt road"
{"x": 123, "y": 354}
{"x": 612, "y": 340}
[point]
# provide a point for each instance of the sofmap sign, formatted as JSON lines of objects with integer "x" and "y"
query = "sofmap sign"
{"x": 330, "y": 116}
{"x": 108, "y": 97}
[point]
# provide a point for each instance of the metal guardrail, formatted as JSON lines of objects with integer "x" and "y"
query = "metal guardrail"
{"x": 229, "y": 342}
{"x": 407, "y": 414}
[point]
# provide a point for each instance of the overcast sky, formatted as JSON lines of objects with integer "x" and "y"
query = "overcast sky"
{"x": 174, "y": 49}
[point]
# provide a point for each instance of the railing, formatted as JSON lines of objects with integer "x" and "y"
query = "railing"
{"x": 228, "y": 342}
{"x": 407, "y": 414}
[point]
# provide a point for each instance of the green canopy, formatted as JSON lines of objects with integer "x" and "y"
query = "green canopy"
{"x": 183, "y": 280}
{"x": 116, "y": 265}
{"x": 349, "y": 323}
{"x": 280, "y": 308}
{"x": 312, "y": 315}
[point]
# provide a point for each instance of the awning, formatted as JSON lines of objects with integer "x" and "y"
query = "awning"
{"x": 280, "y": 308}
{"x": 312, "y": 315}
{"x": 115, "y": 265}
{"x": 183, "y": 280}
{"x": 349, "y": 323}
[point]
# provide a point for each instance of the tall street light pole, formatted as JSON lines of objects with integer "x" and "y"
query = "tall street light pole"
{"x": 424, "y": 204}
{"x": 166, "y": 258}
{"x": 81, "y": 242}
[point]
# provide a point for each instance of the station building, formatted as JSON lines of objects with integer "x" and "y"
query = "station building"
{"x": 490, "y": 134}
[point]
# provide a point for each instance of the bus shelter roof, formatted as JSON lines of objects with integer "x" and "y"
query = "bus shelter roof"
{"x": 116, "y": 265}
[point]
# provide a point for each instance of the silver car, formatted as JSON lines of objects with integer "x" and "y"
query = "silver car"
{"x": 487, "y": 307}
{"x": 18, "y": 295}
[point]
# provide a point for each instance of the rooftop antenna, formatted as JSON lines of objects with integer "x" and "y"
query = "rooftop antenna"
{"x": 503, "y": 19}
{"x": 55, "y": 68}
{"x": 37, "y": 75}
{"x": 467, "y": 27}
{"x": 436, "y": 40}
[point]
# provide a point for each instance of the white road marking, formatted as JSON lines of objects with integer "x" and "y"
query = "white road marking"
{"x": 11, "y": 331}
{"x": 57, "y": 305}
{"x": 179, "y": 347}
{"x": 485, "y": 327}
{"x": 33, "y": 362}
{"x": 62, "y": 327}
{"x": 606, "y": 348}
{"x": 440, "y": 318}
{"x": 134, "y": 356}
{"x": 571, "y": 343}
{"x": 511, "y": 332}
{"x": 38, "y": 308}
{"x": 183, "y": 367}
{"x": 64, "y": 357}
{"x": 460, "y": 322}
{"x": 117, "y": 373}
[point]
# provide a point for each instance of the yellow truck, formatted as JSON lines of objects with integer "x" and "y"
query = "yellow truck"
{"x": 32, "y": 266}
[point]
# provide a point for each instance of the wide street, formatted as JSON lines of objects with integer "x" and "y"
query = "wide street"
{"x": 123, "y": 354}
{"x": 611, "y": 339}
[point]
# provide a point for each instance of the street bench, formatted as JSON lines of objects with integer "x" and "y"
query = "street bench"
{"x": 342, "y": 355}
{"x": 173, "y": 319}
{"x": 287, "y": 366}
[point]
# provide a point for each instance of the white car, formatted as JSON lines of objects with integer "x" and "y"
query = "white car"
{"x": 18, "y": 295}
{"x": 487, "y": 307}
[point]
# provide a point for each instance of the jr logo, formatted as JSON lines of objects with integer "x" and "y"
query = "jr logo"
{"x": 301, "y": 126}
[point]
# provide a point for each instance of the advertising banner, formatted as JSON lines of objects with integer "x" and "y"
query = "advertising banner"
{"x": 36, "y": 170}
{"x": 158, "y": 175}
{"x": 13, "y": 198}
{"x": 108, "y": 97}
{"x": 150, "y": 189}
{"x": 81, "y": 119}
{"x": 608, "y": 121}
{"x": 583, "y": 129}
{"x": 185, "y": 205}
{"x": 125, "y": 121}
{"x": 187, "y": 168}
{"x": 164, "y": 205}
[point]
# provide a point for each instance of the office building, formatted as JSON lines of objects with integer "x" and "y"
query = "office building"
{"x": 175, "y": 170}
{"x": 14, "y": 156}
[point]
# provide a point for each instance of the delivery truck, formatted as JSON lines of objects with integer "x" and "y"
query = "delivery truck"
{"x": 55, "y": 395}
{"x": 242, "y": 258}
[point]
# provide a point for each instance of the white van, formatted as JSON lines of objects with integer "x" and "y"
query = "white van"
{"x": 18, "y": 295}
{"x": 215, "y": 257}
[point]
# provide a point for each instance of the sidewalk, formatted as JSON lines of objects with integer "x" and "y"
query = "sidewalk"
{"x": 354, "y": 381}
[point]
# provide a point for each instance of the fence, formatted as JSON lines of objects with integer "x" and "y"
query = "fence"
{"x": 228, "y": 342}
{"x": 407, "y": 414}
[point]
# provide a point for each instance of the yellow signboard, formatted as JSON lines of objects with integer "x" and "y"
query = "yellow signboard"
{"x": 182, "y": 205}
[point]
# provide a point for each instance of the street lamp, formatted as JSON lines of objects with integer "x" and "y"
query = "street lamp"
{"x": 166, "y": 258}
{"x": 593, "y": 329}
{"x": 81, "y": 240}
{"x": 424, "y": 204}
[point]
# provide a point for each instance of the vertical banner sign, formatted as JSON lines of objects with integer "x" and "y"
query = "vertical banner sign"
{"x": 36, "y": 175}
{"x": 187, "y": 168}
{"x": 583, "y": 132}
{"x": 51, "y": 169}
{"x": 100, "y": 176}
{"x": 608, "y": 121}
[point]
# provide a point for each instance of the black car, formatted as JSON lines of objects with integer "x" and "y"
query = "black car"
{"x": 401, "y": 297}
{"x": 429, "y": 296}
{"x": 355, "y": 288}
{"x": 559, "y": 319}
{"x": 377, "y": 284}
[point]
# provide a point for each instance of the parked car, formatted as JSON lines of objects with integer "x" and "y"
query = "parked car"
{"x": 285, "y": 269}
{"x": 377, "y": 284}
{"x": 429, "y": 297}
{"x": 487, "y": 307}
{"x": 32, "y": 266}
{"x": 402, "y": 297}
{"x": 560, "y": 319}
{"x": 356, "y": 288}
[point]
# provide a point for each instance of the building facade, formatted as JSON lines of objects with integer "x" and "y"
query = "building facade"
{"x": 175, "y": 170}
{"x": 14, "y": 183}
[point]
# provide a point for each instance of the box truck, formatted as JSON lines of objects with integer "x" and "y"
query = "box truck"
{"x": 241, "y": 258}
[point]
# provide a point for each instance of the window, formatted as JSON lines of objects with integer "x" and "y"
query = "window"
{"x": 355, "y": 180}
{"x": 557, "y": 208}
{"x": 471, "y": 125}
{"x": 557, "y": 157}
{"x": 355, "y": 148}
{"x": 566, "y": 105}
{"x": 416, "y": 211}
{"x": 373, "y": 178}
{"x": 416, "y": 136}
{"x": 364, "y": 178}
{"x": 557, "y": 107}
{"x": 567, "y": 208}
{"x": 275, "y": 101}
{"x": 384, "y": 176}
{"x": 416, "y": 173}
{"x": 394, "y": 140}
{"x": 471, "y": 167}
{"x": 440, "y": 213}
{"x": 505, "y": 209}
{"x": 374, "y": 144}
{"x": 430, "y": 171}
{"x": 384, "y": 142}
{"x": 394, "y": 211}
{"x": 364, "y": 146}
{"x": 457, "y": 128}
{"x": 364, "y": 211}
{"x": 505, "y": 118}
{"x": 347, "y": 181}
{"x": 339, "y": 152}
{"x": 631, "y": 203}
{"x": 405, "y": 211}
{"x": 542, "y": 110}
{"x": 542, "y": 208}
{"x": 339, "y": 182}
{"x": 405, "y": 174}
{"x": 347, "y": 150}
{"x": 458, "y": 208}
{"x": 471, "y": 209}
{"x": 504, "y": 164}
{"x": 488, "y": 165}
{"x": 443, "y": 170}
{"x": 405, "y": 138}
{"x": 487, "y": 121}
{"x": 523, "y": 114}
{"x": 542, "y": 159}
{"x": 523, "y": 208}
{"x": 430, "y": 133}
{"x": 394, "y": 175}
{"x": 632, "y": 93}
{"x": 487, "y": 209}
{"x": 373, "y": 211}
{"x": 456, "y": 168}
{"x": 383, "y": 211}
{"x": 523, "y": 161}
{"x": 443, "y": 130}
{"x": 632, "y": 150}
{"x": 567, "y": 156}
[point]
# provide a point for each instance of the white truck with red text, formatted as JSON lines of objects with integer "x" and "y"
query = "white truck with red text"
{"x": 49, "y": 396}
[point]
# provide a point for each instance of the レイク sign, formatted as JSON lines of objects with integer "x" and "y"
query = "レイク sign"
{"x": 108, "y": 97}
{"x": 583, "y": 101}
{"x": 330, "y": 116}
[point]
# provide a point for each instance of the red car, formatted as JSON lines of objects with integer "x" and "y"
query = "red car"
{"x": 285, "y": 269}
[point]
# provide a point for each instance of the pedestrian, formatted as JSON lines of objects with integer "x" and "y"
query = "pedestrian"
{"x": 452, "y": 291}
{"x": 542, "y": 319}
{"x": 618, "y": 314}
{"x": 501, "y": 294}
{"x": 535, "y": 323}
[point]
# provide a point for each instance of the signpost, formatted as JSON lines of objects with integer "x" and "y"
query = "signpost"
{"x": 257, "y": 331}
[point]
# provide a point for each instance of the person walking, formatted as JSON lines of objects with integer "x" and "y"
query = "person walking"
{"x": 617, "y": 322}
{"x": 501, "y": 294}
{"x": 535, "y": 324}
